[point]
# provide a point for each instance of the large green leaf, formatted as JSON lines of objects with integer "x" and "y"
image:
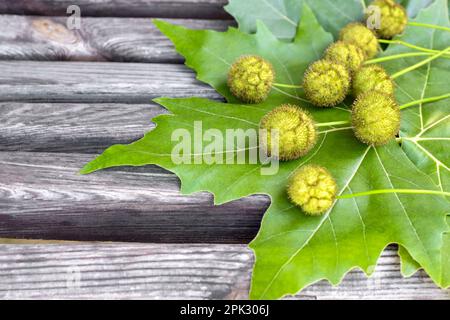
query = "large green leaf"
{"x": 293, "y": 250}
{"x": 291, "y": 246}
{"x": 292, "y": 253}
{"x": 414, "y": 6}
{"x": 212, "y": 63}
{"x": 282, "y": 16}
{"x": 408, "y": 265}
{"x": 425, "y": 129}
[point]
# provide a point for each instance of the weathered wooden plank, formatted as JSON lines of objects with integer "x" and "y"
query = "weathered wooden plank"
{"x": 206, "y": 9}
{"x": 182, "y": 271}
{"x": 65, "y": 127}
{"x": 98, "y": 39}
{"x": 31, "y": 241}
{"x": 43, "y": 197}
{"x": 97, "y": 82}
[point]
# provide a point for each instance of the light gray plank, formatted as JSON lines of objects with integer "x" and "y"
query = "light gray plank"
{"x": 182, "y": 271}
{"x": 42, "y": 196}
{"x": 98, "y": 39}
{"x": 66, "y": 127}
{"x": 207, "y": 9}
{"x": 39, "y": 81}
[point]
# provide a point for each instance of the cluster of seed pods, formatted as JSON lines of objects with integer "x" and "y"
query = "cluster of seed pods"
{"x": 340, "y": 73}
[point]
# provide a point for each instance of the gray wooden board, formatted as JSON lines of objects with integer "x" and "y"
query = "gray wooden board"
{"x": 68, "y": 127}
{"x": 41, "y": 81}
{"x": 42, "y": 196}
{"x": 181, "y": 271}
{"x": 64, "y": 112}
{"x": 98, "y": 39}
{"x": 206, "y": 9}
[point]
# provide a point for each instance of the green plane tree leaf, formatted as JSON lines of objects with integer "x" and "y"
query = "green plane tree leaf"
{"x": 294, "y": 250}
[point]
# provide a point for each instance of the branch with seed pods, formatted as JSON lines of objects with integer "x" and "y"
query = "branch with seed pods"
{"x": 348, "y": 66}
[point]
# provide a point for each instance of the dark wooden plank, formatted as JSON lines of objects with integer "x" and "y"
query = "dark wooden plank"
{"x": 97, "y": 82}
{"x": 98, "y": 39}
{"x": 182, "y": 271}
{"x": 65, "y": 127}
{"x": 206, "y": 9}
{"x": 43, "y": 197}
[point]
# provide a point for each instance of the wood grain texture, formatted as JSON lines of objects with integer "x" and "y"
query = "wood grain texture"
{"x": 66, "y": 127}
{"x": 124, "y": 271}
{"x": 97, "y": 82}
{"x": 98, "y": 39}
{"x": 206, "y": 9}
{"x": 43, "y": 197}
{"x": 79, "y": 108}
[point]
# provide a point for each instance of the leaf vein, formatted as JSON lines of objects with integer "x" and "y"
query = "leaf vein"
{"x": 325, "y": 216}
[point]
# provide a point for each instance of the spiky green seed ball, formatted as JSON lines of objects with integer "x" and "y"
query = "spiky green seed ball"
{"x": 362, "y": 37}
{"x": 297, "y": 133}
{"x": 372, "y": 78}
{"x": 313, "y": 189}
{"x": 393, "y": 18}
{"x": 326, "y": 83}
{"x": 250, "y": 79}
{"x": 346, "y": 54}
{"x": 375, "y": 118}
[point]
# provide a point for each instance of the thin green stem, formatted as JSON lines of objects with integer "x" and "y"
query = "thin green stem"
{"x": 418, "y": 65}
{"x": 426, "y": 100}
{"x": 427, "y": 25}
{"x": 281, "y": 85}
{"x": 397, "y": 56}
{"x": 385, "y": 191}
{"x": 363, "y": 5}
{"x": 409, "y": 45}
{"x": 329, "y": 124}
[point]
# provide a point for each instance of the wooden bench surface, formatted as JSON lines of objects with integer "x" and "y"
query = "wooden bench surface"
{"x": 65, "y": 96}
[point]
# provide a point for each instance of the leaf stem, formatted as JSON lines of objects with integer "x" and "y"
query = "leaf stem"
{"x": 397, "y": 56}
{"x": 417, "y": 65}
{"x": 281, "y": 85}
{"x": 363, "y": 4}
{"x": 427, "y": 25}
{"x": 426, "y": 100}
{"x": 328, "y": 124}
{"x": 409, "y": 45}
{"x": 385, "y": 191}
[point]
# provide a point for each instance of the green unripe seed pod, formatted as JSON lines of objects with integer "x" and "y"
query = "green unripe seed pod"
{"x": 326, "y": 83}
{"x": 250, "y": 79}
{"x": 362, "y": 37}
{"x": 375, "y": 118}
{"x": 313, "y": 189}
{"x": 297, "y": 133}
{"x": 346, "y": 54}
{"x": 393, "y": 18}
{"x": 372, "y": 78}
